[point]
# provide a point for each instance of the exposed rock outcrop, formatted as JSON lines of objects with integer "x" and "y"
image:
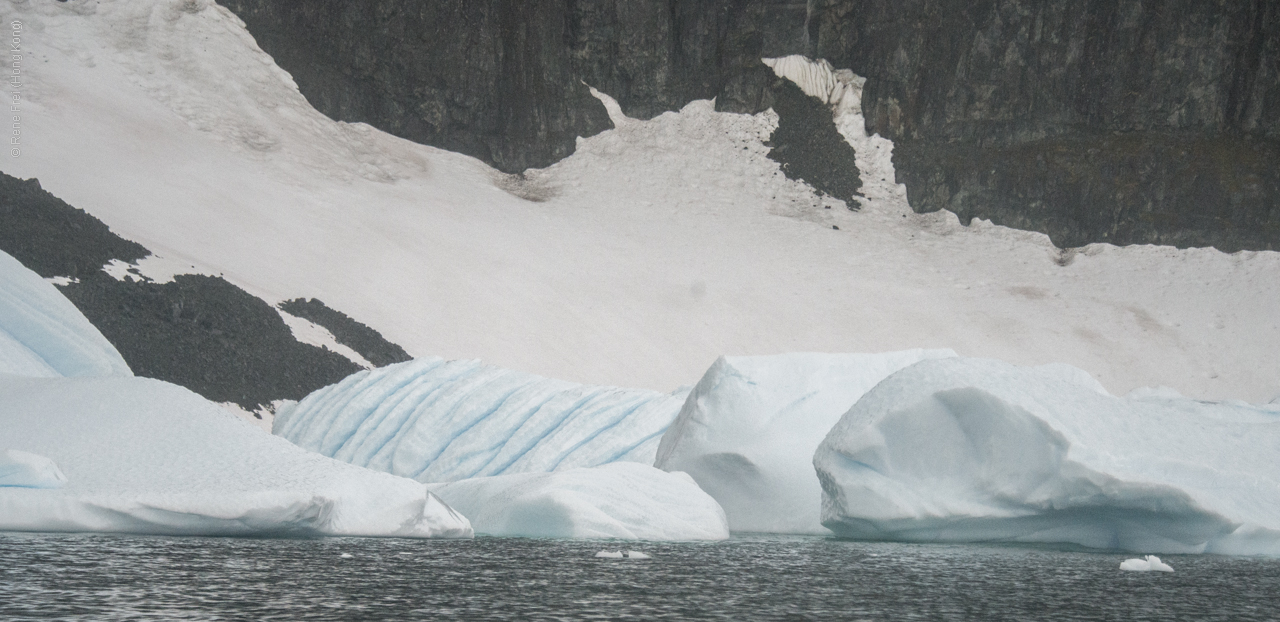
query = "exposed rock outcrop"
{"x": 1125, "y": 121}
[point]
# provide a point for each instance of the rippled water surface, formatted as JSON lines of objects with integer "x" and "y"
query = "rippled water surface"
{"x": 109, "y": 577}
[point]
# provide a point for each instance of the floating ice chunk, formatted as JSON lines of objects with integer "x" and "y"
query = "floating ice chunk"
{"x": 978, "y": 450}
{"x": 144, "y": 456}
{"x": 26, "y": 470}
{"x": 620, "y": 500}
{"x": 1151, "y": 562}
{"x": 43, "y": 335}
{"x": 621, "y": 555}
{"x": 439, "y": 421}
{"x": 748, "y": 431}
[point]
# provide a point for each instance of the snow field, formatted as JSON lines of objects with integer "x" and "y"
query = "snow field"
{"x": 656, "y": 248}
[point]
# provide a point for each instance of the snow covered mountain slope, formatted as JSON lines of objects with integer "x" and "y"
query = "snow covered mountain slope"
{"x": 656, "y": 248}
{"x": 965, "y": 450}
{"x": 43, "y": 335}
{"x": 442, "y": 421}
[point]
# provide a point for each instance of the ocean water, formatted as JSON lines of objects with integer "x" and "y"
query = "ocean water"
{"x": 118, "y": 577}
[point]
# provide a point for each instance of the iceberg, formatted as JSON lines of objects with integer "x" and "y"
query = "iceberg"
{"x": 441, "y": 421}
{"x": 963, "y": 450}
{"x": 43, "y": 335}
{"x": 622, "y": 500}
{"x": 145, "y": 456}
{"x": 748, "y": 431}
{"x": 1147, "y": 564}
{"x": 20, "y": 469}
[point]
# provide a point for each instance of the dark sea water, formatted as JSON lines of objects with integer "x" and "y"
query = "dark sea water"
{"x": 111, "y": 577}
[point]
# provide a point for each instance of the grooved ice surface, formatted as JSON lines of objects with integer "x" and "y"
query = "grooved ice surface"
{"x": 440, "y": 421}
{"x": 964, "y": 450}
{"x": 42, "y": 334}
{"x": 748, "y": 431}
{"x": 20, "y": 469}
{"x": 618, "y": 500}
{"x": 145, "y": 456}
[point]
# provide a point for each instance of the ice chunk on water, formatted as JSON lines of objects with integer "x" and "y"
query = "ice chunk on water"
{"x": 43, "y": 335}
{"x": 1149, "y": 563}
{"x": 748, "y": 431}
{"x": 620, "y": 500}
{"x": 27, "y": 470}
{"x": 979, "y": 450}
{"x": 439, "y": 421}
{"x": 621, "y": 555}
{"x": 144, "y": 456}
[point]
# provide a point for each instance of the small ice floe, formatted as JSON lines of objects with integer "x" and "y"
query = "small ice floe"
{"x": 621, "y": 554}
{"x": 1151, "y": 562}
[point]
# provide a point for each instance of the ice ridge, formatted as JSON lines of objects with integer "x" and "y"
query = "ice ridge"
{"x": 443, "y": 421}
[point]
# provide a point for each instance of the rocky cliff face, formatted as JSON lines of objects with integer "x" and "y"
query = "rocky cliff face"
{"x": 1123, "y": 121}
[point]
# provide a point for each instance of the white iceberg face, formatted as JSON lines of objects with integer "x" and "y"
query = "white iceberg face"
{"x": 43, "y": 335}
{"x": 977, "y": 450}
{"x": 620, "y": 500}
{"x": 439, "y": 421}
{"x": 144, "y": 456}
{"x": 748, "y": 431}
{"x": 20, "y": 469}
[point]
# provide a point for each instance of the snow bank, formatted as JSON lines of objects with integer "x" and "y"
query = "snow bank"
{"x": 43, "y": 335}
{"x": 975, "y": 450}
{"x": 620, "y": 500}
{"x": 439, "y": 421}
{"x": 20, "y": 469}
{"x": 748, "y": 431}
{"x": 144, "y": 456}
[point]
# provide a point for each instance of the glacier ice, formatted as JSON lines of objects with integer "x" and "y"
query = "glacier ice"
{"x": 43, "y": 335}
{"x": 748, "y": 431}
{"x": 961, "y": 450}
{"x": 619, "y": 500}
{"x": 439, "y": 421}
{"x": 21, "y": 469}
{"x": 1145, "y": 564}
{"x": 145, "y": 456}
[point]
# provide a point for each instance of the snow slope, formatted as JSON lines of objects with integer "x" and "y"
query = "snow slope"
{"x": 442, "y": 421}
{"x": 748, "y": 431}
{"x": 145, "y": 456}
{"x": 622, "y": 500}
{"x": 656, "y": 248}
{"x": 42, "y": 334}
{"x": 964, "y": 450}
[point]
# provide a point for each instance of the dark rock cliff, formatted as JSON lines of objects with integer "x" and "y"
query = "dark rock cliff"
{"x": 1123, "y": 121}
